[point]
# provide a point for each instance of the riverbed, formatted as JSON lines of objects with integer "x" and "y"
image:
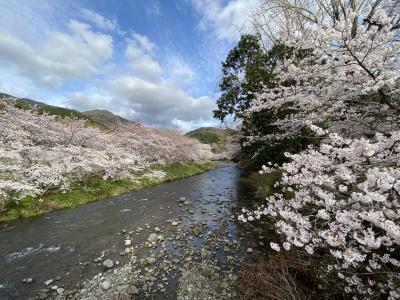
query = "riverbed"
{"x": 68, "y": 247}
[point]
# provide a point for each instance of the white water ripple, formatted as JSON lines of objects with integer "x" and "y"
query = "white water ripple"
{"x": 31, "y": 250}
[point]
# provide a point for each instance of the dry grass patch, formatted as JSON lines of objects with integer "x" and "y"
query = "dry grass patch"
{"x": 279, "y": 277}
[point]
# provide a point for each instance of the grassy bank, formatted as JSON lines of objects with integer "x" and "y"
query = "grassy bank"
{"x": 261, "y": 186}
{"x": 96, "y": 189}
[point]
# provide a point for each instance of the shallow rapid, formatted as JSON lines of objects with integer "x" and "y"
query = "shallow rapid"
{"x": 62, "y": 245}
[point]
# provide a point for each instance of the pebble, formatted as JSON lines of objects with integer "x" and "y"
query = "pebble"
{"x": 153, "y": 238}
{"x": 108, "y": 263}
{"x": 43, "y": 296}
{"x": 149, "y": 260}
{"x": 48, "y": 282}
{"x": 122, "y": 288}
{"x": 105, "y": 285}
{"x": 133, "y": 290}
{"x": 152, "y": 272}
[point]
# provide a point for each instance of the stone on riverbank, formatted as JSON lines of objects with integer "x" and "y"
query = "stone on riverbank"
{"x": 105, "y": 285}
{"x": 108, "y": 263}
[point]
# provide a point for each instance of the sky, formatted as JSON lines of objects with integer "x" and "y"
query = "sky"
{"x": 157, "y": 62}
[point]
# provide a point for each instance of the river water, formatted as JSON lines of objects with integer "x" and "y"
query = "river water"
{"x": 64, "y": 242}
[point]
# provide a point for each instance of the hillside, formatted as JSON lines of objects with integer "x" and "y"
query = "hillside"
{"x": 42, "y": 155}
{"x": 106, "y": 117}
{"x": 102, "y": 119}
{"x": 221, "y": 140}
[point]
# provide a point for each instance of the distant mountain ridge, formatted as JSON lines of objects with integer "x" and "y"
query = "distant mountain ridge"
{"x": 106, "y": 117}
{"x": 221, "y": 140}
{"x": 103, "y": 119}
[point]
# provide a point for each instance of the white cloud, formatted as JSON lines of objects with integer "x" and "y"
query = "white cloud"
{"x": 139, "y": 53}
{"x": 151, "y": 103}
{"x": 89, "y": 100}
{"x": 98, "y": 20}
{"x": 186, "y": 126}
{"x": 146, "y": 96}
{"x": 158, "y": 102}
{"x": 79, "y": 53}
{"x": 178, "y": 70}
{"x": 61, "y": 56}
{"x": 49, "y": 56}
{"x": 142, "y": 94}
{"x": 30, "y": 20}
{"x": 143, "y": 42}
{"x": 226, "y": 20}
{"x": 153, "y": 8}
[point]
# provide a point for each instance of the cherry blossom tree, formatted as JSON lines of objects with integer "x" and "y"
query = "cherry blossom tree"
{"x": 341, "y": 198}
{"x": 352, "y": 77}
{"x": 344, "y": 197}
{"x": 39, "y": 152}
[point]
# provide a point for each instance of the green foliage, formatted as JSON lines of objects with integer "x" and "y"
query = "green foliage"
{"x": 106, "y": 118}
{"x": 62, "y": 112}
{"x": 261, "y": 151}
{"x": 147, "y": 261}
{"x": 247, "y": 70}
{"x": 95, "y": 189}
{"x": 217, "y": 138}
{"x": 262, "y": 185}
{"x": 207, "y": 272}
{"x": 176, "y": 171}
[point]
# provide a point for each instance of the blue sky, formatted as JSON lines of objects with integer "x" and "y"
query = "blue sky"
{"x": 152, "y": 61}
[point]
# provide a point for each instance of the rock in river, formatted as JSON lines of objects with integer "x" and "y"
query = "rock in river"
{"x": 48, "y": 282}
{"x": 108, "y": 263}
{"x": 154, "y": 238}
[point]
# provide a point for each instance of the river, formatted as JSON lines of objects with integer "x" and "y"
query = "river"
{"x": 63, "y": 244}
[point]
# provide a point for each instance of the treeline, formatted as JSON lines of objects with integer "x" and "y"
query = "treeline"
{"x": 41, "y": 152}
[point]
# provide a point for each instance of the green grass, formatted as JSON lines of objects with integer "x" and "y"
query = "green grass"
{"x": 217, "y": 138}
{"x": 96, "y": 189}
{"x": 262, "y": 185}
{"x": 207, "y": 273}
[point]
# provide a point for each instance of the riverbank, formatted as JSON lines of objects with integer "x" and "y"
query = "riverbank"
{"x": 97, "y": 189}
{"x": 178, "y": 239}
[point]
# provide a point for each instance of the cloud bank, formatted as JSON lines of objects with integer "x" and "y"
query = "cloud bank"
{"x": 64, "y": 53}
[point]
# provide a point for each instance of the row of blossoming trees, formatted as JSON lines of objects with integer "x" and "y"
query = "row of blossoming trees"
{"x": 39, "y": 152}
{"x": 340, "y": 199}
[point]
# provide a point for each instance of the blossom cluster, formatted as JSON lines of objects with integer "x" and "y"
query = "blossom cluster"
{"x": 350, "y": 77}
{"x": 339, "y": 199}
{"x": 344, "y": 197}
{"x": 39, "y": 152}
